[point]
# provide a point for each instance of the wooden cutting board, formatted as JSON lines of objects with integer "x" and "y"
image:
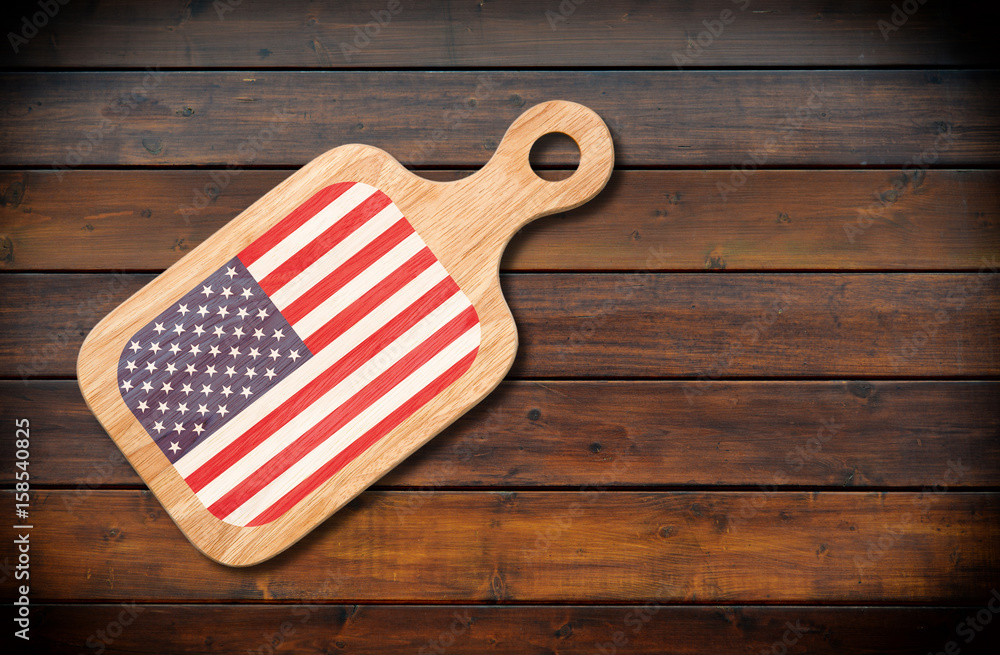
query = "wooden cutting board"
{"x": 323, "y": 335}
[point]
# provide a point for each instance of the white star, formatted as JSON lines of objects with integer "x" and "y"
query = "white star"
{"x": 202, "y": 311}
{"x": 126, "y": 385}
{"x": 202, "y": 409}
{"x": 170, "y": 367}
{"x": 250, "y": 373}
{"x": 213, "y": 351}
{"x": 163, "y": 408}
{"x": 131, "y": 366}
{"x": 226, "y": 391}
{"x": 166, "y": 387}
{"x": 247, "y": 293}
{"x": 278, "y": 334}
{"x": 198, "y": 428}
{"x": 195, "y": 349}
{"x": 182, "y": 407}
{"x": 174, "y": 348}
{"x": 254, "y": 353}
{"x": 222, "y": 410}
{"x": 258, "y": 333}
{"x": 178, "y": 428}
{"x": 159, "y": 328}
{"x": 187, "y": 389}
{"x": 143, "y": 406}
{"x": 270, "y": 374}
{"x": 262, "y": 314}
{"x": 146, "y": 386}
{"x": 207, "y": 290}
{"x": 199, "y": 330}
{"x": 218, "y": 331}
{"x": 183, "y": 309}
{"x": 151, "y": 367}
{"x": 275, "y": 355}
{"x": 158, "y": 427}
{"x": 246, "y": 393}
{"x": 294, "y": 355}
{"x": 238, "y": 332}
{"x": 189, "y": 369}
{"x": 242, "y": 312}
{"x": 155, "y": 347}
{"x": 174, "y": 447}
{"x": 135, "y": 345}
{"x": 223, "y": 312}
{"x": 210, "y": 370}
{"x": 226, "y": 292}
{"x": 234, "y": 351}
{"x": 231, "y": 272}
{"x": 205, "y": 389}
{"x": 178, "y": 328}
{"x": 230, "y": 371}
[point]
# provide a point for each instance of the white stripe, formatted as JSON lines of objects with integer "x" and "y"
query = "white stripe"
{"x": 325, "y": 405}
{"x": 305, "y": 233}
{"x": 335, "y": 256}
{"x": 368, "y": 419}
{"x": 362, "y": 283}
{"x": 378, "y": 317}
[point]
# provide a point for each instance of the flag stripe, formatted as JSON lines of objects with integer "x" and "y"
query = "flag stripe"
{"x": 362, "y": 443}
{"x": 349, "y": 410}
{"x": 331, "y": 387}
{"x": 374, "y": 297}
{"x": 283, "y": 228}
{"x": 330, "y": 237}
{"x": 347, "y": 271}
{"x": 397, "y": 311}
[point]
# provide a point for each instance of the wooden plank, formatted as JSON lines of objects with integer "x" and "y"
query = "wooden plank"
{"x": 515, "y": 34}
{"x": 698, "y": 326}
{"x": 308, "y": 628}
{"x": 643, "y": 220}
{"x": 747, "y": 119}
{"x": 555, "y": 433}
{"x": 708, "y": 547}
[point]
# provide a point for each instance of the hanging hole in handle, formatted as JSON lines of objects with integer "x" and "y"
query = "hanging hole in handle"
{"x": 554, "y": 156}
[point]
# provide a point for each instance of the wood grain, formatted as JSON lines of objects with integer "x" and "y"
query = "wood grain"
{"x": 643, "y": 220}
{"x": 698, "y": 326}
{"x": 644, "y": 629}
{"x": 583, "y": 546}
{"x": 658, "y": 118}
{"x": 631, "y": 434}
{"x": 521, "y": 33}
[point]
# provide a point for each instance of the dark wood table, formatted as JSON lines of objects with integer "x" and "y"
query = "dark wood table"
{"x": 755, "y": 407}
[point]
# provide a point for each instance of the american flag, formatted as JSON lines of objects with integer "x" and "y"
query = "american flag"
{"x": 289, "y": 361}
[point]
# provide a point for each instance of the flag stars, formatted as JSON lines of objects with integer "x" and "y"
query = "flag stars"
{"x": 223, "y": 312}
{"x": 135, "y": 345}
{"x": 143, "y": 406}
{"x": 178, "y": 428}
{"x": 178, "y": 328}
{"x": 259, "y": 334}
{"x": 202, "y": 311}
{"x": 254, "y": 353}
{"x": 162, "y": 408}
{"x": 126, "y": 385}
{"x": 294, "y": 355}
{"x": 155, "y": 346}
{"x": 230, "y": 371}
{"x": 210, "y": 370}
{"x": 219, "y": 331}
{"x": 203, "y": 409}
{"x": 238, "y": 332}
{"x": 158, "y": 426}
{"x": 190, "y": 369}
{"x": 199, "y": 330}
{"x": 206, "y": 389}
{"x": 183, "y": 309}
{"x": 166, "y": 387}
{"x": 195, "y": 349}
{"x": 174, "y": 348}
{"x": 146, "y": 386}
{"x": 270, "y": 374}
{"x": 187, "y": 389}
{"x": 278, "y": 335}
{"x": 262, "y": 314}
{"x": 198, "y": 428}
{"x": 250, "y": 373}
{"x": 231, "y": 272}
{"x": 207, "y": 290}
{"x": 159, "y": 328}
{"x": 227, "y": 391}
{"x": 213, "y": 351}
{"x": 222, "y": 410}
{"x": 234, "y": 351}
{"x": 182, "y": 407}
{"x": 242, "y": 311}
{"x": 150, "y": 367}
{"x": 174, "y": 447}
{"x": 247, "y": 293}
{"x": 275, "y": 355}
{"x": 170, "y": 367}
{"x": 131, "y": 367}
{"x": 246, "y": 393}
{"x": 227, "y": 292}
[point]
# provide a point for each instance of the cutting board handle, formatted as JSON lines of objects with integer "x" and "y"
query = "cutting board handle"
{"x": 517, "y": 191}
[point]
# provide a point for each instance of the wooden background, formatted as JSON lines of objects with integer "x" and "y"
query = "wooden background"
{"x": 755, "y": 407}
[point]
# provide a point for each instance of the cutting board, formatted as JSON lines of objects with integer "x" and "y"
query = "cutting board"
{"x": 323, "y": 335}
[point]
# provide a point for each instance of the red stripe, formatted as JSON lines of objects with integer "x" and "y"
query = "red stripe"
{"x": 362, "y": 443}
{"x": 330, "y": 237}
{"x": 292, "y": 222}
{"x": 358, "y": 403}
{"x": 347, "y": 271}
{"x": 364, "y": 305}
{"x": 322, "y": 383}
